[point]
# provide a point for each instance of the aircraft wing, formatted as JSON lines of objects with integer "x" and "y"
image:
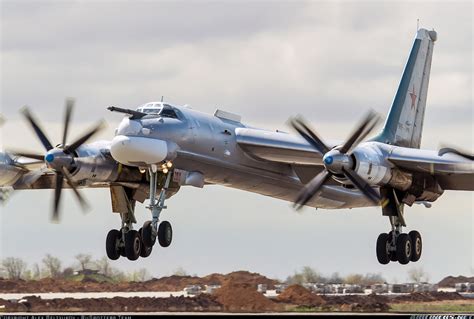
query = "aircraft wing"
{"x": 276, "y": 146}
{"x": 452, "y": 171}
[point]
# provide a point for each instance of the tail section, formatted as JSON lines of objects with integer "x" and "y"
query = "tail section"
{"x": 404, "y": 123}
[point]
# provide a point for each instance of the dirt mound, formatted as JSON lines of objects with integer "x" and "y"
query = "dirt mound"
{"x": 428, "y": 296}
{"x": 117, "y": 304}
{"x": 298, "y": 295}
{"x": 243, "y": 297}
{"x": 170, "y": 283}
{"x": 450, "y": 281}
{"x": 357, "y": 303}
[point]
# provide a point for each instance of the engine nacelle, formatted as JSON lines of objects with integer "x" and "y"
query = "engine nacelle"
{"x": 9, "y": 172}
{"x": 371, "y": 165}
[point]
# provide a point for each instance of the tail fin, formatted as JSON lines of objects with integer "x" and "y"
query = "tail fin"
{"x": 404, "y": 123}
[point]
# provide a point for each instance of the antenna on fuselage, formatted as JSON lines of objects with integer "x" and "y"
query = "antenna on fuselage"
{"x": 162, "y": 98}
{"x": 417, "y": 25}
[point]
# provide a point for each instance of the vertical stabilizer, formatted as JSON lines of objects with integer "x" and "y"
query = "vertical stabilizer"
{"x": 404, "y": 124}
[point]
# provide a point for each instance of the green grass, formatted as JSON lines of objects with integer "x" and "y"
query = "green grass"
{"x": 432, "y": 307}
{"x": 422, "y": 307}
{"x": 96, "y": 277}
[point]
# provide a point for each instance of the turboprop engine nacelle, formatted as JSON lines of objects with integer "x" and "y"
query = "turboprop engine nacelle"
{"x": 371, "y": 165}
{"x": 9, "y": 172}
{"x": 94, "y": 163}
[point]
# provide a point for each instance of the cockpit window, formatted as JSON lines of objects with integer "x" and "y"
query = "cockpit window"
{"x": 168, "y": 111}
{"x": 164, "y": 110}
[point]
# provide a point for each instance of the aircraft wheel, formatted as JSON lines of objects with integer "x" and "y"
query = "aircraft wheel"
{"x": 404, "y": 249}
{"x": 147, "y": 234}
{"x": 112, "y": 244}
{"x": 132, "y": 245}
{"x": 382, "y": 249}
{"x": 165, "y": 234}
{"x": 393, "y": 254}
{"x": 417, "y": 244}
{"x": 145, "y": 250}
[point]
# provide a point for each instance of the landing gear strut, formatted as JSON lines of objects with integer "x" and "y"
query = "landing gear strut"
{"x": 396, "y": 245}
{"x": 132, "y": 244}
{"x": 153, "y": 229}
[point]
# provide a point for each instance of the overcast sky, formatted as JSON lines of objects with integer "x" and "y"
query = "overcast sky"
{"x": 265, "y": 61}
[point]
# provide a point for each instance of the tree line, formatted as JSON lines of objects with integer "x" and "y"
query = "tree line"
{"x": 52, "y": 267}
{"x": 310, "y": 275}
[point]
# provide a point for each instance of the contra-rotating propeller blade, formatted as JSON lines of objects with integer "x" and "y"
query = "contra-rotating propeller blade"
{"x": 62, "y": 158}
{"x": 362, "y": 185}
{"x": 309, "y": 135}
{"x": 336, "y": 161}
{"x": 84, "y": 138}
{"x": 67, "y": 119}
{"x": 310, "y": 189}
{"x": 39, "y": 157}
{"x": 39, "y": 132}
{"x": 360, "y": 132}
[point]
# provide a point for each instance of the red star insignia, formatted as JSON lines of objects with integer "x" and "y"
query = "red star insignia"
{"x": 413, "y": 98}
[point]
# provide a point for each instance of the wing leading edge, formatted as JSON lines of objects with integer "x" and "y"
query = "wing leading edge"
{"x": 278, "y": 147}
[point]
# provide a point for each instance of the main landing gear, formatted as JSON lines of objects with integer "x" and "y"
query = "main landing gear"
{"x": 396, "y": 245}
{"x": 133, "y": 244}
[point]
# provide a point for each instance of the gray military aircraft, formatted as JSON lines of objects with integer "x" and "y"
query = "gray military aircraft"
{"x": 160, "y": 147}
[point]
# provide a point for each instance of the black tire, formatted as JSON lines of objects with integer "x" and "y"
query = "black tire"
{"x": 382, "y": 247}
{"x": 417, "y": 245}
{"x": 112, "y": 244}
{"x": 404, "y": 249}
{"x": 165, "y": 234}
{"x": 392, "y": 254}
{"x": 133, "y": 244}
{"x": 145, "y": 250}
{"x": 147, "y": 234}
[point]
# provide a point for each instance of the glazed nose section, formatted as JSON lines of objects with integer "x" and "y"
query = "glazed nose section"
{"x": 137, "y": 150}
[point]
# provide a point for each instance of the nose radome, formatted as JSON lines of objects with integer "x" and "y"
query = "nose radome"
{"x": 136, "y": 151}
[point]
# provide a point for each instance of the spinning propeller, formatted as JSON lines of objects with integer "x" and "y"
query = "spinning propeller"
{"x": 337, "y": 161}
{"x": 63, "y": 158}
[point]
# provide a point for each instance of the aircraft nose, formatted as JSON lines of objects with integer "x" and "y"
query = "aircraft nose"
{"x": 138, "y": 151}
{"x": 129, "y": 127}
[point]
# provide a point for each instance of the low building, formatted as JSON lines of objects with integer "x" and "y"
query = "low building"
{"x": 464, "y": 287}
{"x": 192, "y": 289}
{"x": 400, "y": 288}
{"x": 210, "y": 289}
{"x": 379, "y": 288}
{"x": 425, "y": 287}
{"x": 262, "y": 288}
{"x": 280, "y": 288}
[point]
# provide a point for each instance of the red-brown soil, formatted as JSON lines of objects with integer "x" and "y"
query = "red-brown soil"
{"x": 172, "y": 283}
{"x": 298, "y": 295}
{"x": 243, "y": 297}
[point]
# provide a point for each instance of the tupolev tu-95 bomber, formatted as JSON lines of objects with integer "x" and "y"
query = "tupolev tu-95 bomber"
{"x": 159, "y": 147}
